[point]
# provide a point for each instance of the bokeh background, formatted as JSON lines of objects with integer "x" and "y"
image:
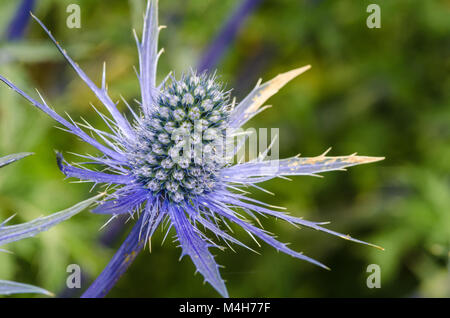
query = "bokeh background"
{"x": 379, "y": 92}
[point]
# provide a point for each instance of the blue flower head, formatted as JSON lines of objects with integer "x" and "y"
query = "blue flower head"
{"x": 169, "y": 163}
{"x": 174, "y": 154}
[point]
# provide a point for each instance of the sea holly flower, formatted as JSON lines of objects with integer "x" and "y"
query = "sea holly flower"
{"x": 158, "y": 174}
{"x": 18, "y": 232}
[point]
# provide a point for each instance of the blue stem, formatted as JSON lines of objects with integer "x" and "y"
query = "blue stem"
{"x": 123, "y": 258}
{"x": 227, "y": 35}
{"x": 20, "y": 21}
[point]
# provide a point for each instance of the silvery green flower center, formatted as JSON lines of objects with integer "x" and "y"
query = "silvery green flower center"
{"x": 177, "y": 154}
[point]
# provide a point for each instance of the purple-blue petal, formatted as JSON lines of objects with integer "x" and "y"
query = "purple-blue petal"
{"x": 230, "y": 214}
{"x": 251, "y": 171}
{"x": 237, "y": 200}
{"x": 197, "y": 249}
{"x": 95, "y": 176}
{"x": 101, "y": 94}
{"x": 6, "y": 160}
{"x": 148, "y": 56}
{"x": 18, "y": 232}
{"x": 124, "y": 204}
{"x": 72, "y": 128}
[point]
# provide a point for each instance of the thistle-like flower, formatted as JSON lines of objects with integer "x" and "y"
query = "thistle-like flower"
{"x": 168, "y": 166}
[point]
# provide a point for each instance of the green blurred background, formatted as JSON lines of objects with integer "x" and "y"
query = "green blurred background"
{"x": 380, "y": 92}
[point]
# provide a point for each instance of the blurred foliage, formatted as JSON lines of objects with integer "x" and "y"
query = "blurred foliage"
{"x": 380, "y": 92}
